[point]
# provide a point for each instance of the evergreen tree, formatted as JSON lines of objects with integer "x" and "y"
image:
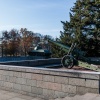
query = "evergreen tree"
{"x": 84, "y": 27}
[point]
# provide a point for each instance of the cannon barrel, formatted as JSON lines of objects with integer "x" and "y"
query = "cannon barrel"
{"x": 75, "y": 51}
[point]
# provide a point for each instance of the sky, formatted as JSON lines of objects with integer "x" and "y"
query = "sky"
{"x": 39, "y": 16}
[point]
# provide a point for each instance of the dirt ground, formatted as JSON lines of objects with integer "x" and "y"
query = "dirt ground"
{"x": 78, "y": 68}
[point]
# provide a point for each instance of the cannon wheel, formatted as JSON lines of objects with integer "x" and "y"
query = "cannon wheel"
{"x": 68, "y": 61}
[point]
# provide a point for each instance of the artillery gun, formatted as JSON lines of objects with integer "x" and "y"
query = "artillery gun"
{"x": 75, "y": 57}
{"x": 40, "y": 51}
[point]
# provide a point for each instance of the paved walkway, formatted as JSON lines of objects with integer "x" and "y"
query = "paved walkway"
{"x": 6, "y": 95}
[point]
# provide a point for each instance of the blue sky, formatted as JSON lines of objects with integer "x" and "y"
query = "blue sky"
{"x": 39, "y": 16}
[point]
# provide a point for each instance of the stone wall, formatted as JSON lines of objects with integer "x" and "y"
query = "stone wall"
{"x": 48, "y": 83}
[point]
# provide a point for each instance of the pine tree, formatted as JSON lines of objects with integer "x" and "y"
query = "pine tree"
{"x": 84, "y": 26}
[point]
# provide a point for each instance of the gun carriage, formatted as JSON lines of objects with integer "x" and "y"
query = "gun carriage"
{"x": 75, "y": 57}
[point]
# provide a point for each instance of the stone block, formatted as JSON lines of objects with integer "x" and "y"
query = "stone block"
{"x": 10, "y": 73}
{"x": 69, "y": 89}
{"x": 37, "y": 77}
{"x": 12, "y": 79}
{"x": 77, "y": 81}
{"x": 54, "y": 73}
{"x": 45, "y": 72}
{"x": 17, "y": 86}
{"x": 57, "y": 87}
{"x": 61, "y": 80}
{"x": 89, "y": 76}
{"x": 54, "y": 86}
{"x": 0, "y": 77}
{"x": 69, "y": 73}
{"x": 23, "y": 75}
{"x": 48, "y": 78}
{"x": 17, "y": 74}
{"x": 92, "y": 90}
{"x": 49, "y": 85}
{"x": 31, "y": 82}
{"x": 92, "y": 83}
{"x": 21, "y": 80}
{"x": 26, "y": 88}
{"x": 1, "y": 83}
{"x": 60, "y": 94}
{"x": 28, "y": 75}
{"x": 84, "y": 90}
{"x": 37, "y": 90}
{"x": 5, "y": 78}
{"x": 48, "y": 94}
{"x": 8, "y": 84}
{"x": 5, "y": 72}
{"x": 1, "y": 72}
{"x": 41, "y": 84}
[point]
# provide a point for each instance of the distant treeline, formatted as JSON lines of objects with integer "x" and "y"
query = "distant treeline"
{"x": 19, "y": 42}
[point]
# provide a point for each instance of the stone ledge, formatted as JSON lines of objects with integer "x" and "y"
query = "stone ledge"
{"x": 59, "y": 72}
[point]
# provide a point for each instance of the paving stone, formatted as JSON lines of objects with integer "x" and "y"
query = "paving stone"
{"x": 67, "y": 98}
{"x": 5, "y": 97}
{"x": 25, "y": 97}
{"x": 3, "y": 91}
{"x": 58, "y": 99}
{"x": 12, "y": 94}
{"x": 17, "y": 99}
{"x": 97, "y": 98}
{"x": 89, "y": 96}
{"x": 77, "y": 97}
{"x": 36, "y": 99}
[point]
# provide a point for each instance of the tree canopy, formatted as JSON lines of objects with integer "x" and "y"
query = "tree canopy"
{"x": 83, "y": 27}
